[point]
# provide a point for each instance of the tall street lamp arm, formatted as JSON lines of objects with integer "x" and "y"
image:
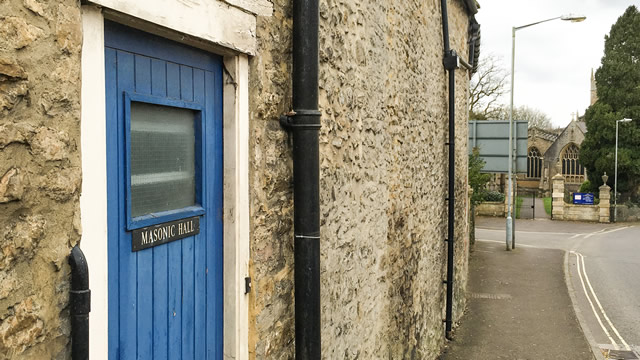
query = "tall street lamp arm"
{"x": 572, "y": 18}
{"x": 536, "y": 23}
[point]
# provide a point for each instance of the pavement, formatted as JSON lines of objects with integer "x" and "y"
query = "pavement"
{"x": 535, "y": 225}
{"x": 519, "y": 305}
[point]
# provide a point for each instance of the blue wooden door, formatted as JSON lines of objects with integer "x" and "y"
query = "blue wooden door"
{"x": 164, "y": 165}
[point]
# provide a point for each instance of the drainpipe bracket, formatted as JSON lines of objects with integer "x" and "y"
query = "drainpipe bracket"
{"x": 451, "y": 60}
{"x": 301, "y": 119}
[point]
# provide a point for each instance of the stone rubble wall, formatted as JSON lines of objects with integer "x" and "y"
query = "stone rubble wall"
{"x": 574, "y": 212}
{"x": 491, "y": 208}
{"x": 383, "y": 182}
{"x": 383, "y": 94}
{"x": 40, "y": 43}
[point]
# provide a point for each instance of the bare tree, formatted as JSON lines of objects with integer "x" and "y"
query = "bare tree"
{"x": 488, "y": 85}
{"x": 535, "y": 117}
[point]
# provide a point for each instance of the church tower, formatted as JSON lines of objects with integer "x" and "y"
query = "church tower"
{"x": 594, "y": 93}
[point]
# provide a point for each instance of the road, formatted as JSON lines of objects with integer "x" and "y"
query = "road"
{"x": 603, "y": 263}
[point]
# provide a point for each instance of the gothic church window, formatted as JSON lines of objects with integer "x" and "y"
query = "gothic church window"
{"x": 534, "y": 163}
{"x": 572, "y": 170}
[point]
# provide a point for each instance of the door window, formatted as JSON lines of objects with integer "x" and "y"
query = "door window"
{"x": 163, "y": 160}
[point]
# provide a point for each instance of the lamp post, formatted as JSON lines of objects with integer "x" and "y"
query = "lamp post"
{"x": 572, "y": 18}
{"x": 615, "y": 177}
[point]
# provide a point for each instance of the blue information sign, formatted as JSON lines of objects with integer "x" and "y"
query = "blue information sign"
{"x": 583, "y": 198}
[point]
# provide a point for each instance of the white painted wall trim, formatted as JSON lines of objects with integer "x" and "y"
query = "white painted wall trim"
{"x": 93, "y": 200}
{"x": 236, "y": 206}
{"x": 258, "y": 7}
{"x": 212, "y": 20}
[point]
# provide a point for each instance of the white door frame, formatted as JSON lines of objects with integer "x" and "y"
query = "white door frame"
{"x": 93, "y": 200}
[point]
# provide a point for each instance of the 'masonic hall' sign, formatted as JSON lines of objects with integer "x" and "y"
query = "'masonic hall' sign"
{"x": 163, "y": 233}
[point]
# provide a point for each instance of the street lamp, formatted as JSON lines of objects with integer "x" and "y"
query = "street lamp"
{"x": 570, "y": 17}
{"x": 615, "y": 178}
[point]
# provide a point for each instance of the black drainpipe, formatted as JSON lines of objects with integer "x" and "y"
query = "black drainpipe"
{"x": 450, "y": 64}
{"x": 304, "y": 124}
{"x": 79, "y": 304}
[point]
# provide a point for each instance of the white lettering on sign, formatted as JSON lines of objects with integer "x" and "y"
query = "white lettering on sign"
{"x": 185, "y": 228}
{"x": 160, "y": 234}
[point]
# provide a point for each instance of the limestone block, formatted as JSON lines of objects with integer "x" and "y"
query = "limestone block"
{"x": 55, "y": 103}
{"x": 50, "y": 144}
{"x": 15, "y": 133}
{"x": 11, "y": 186}
{"x": 61, "y": 184}
{"x": 604, "y": 214}
{"x": 11, "y": 93}
{"x": 16, "y": 33}
{"x": 66, "y": 71}
{"x": 8, "y": 284}
{"x": 69, "y": 29}
{"x": 490, "y": 209}
{"x": 10, "y": 69}
{"x": 22, "y": 329}
{"x": 13, "y": 86}
{"x": 34, "y": 6}
{"x": 21, "y": 239}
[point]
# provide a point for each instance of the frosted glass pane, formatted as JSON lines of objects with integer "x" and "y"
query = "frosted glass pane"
{"x": 162, "y": 158}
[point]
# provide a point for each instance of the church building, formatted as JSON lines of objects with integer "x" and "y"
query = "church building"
{"x": 550, "y": 152}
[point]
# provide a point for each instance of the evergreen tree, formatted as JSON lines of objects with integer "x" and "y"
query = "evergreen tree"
{"x": 477, "y": 180}
{"x": 618, "y": 87}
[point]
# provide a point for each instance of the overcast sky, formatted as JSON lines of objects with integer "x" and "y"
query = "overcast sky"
{"x": 554, "y": 59}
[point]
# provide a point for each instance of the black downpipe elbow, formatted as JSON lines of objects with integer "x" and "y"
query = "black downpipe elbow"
{"x": 79, "y": 304}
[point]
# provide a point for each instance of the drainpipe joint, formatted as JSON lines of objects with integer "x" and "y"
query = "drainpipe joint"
{"x": 301, "y": 120}
{"x": 451, "y": 60}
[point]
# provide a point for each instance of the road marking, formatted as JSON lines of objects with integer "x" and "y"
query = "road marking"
{"x": 580, "y": 259}
{"x": 529, "y": 232}
{"x": 594, "y": 233}
{"x": 591, "y": 303}
{"x": 502, "y": 242}
{"x": 584, "y": 270}
{"x": 574, "y": 235}
{"x": 605, "y": 231}
{"x": 616, "y": 229}
{"x": 490, "y": 296}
